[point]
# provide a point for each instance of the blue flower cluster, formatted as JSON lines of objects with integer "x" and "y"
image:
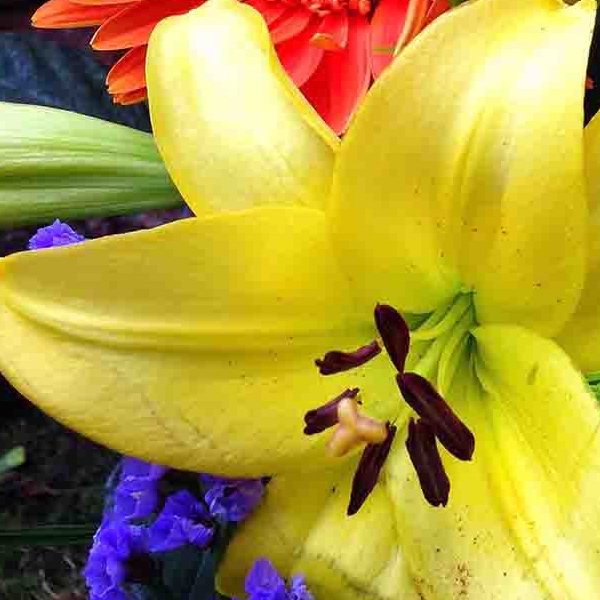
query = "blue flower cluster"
{"x": 231, "y": 499}
{"x": 263, "y": 582}
{"x": 122, "y": 549}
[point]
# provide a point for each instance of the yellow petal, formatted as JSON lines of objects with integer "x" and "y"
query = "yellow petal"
{"x": 455, "y": 175}
{"x": 278, "y": 528}
{"x": 233, "y": 130}
{"x": 581, "y": 335}
{"x": 192, "y": 344}
{"x": 591, "y": 135}
{"x": 523, "y": 519}
{"x": 357, "y": 557}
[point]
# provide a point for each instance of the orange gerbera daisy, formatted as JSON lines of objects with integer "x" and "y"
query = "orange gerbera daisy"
{"x": 332, "y": 49}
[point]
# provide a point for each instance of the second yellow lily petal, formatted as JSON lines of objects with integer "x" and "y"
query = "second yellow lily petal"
{"x": 581, "y": 335}
{"x": 230, "y": 125}
{"x": 463, "y": 169}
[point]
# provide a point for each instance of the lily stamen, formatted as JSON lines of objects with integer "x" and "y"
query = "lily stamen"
{"x": 337, "y": 361}
{"x": 369, "y": 466}
{"x": 424, "y": 455}
{"x": 394, "y": 333}
{"x": 421, "y": 396}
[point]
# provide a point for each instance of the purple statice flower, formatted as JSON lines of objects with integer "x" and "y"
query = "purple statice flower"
{"x": 231, "y": 499}
{"x": 57, "y": 234}
{"x": 134, "y": 468}
{"x": 298, "y": 589}
{"x": 182, "y": 521}
{"x": 263, "y": 582}
{"x": 136, "y": 494}
{"x": 116, "y": 547}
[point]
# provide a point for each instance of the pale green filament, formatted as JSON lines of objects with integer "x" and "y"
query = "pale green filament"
{"x": 454, "y": 351}
{"x": 450, "y": 319}
{"x": 447, "y": 331}
{"x": 427, "y": 366}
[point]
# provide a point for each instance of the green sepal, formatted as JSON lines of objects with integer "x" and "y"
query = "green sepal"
{"x": 60, "y": 164}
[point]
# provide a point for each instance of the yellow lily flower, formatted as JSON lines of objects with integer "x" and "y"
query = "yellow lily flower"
{"x": 459, "y": 196}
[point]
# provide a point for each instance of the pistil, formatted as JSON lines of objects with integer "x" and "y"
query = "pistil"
{"x": 354, "y": 429}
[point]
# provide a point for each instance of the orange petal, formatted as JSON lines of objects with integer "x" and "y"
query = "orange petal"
{"x": 128, "y": 73}
{"x": 415, "y": 21}
{"x": 131, "y": 97}
{"x": 342, "y": 78}
{"x": 437, "y": 8}
{"x": 291, "y": 23}
{"x": 57, "y": 14}
{"x": 333, "y": 32}
{"x": 268, "y": 9}
{"x": 298, "y": 56}
{"x": 387, "y": 24}
{"x": 102, "y": 2}
{"x": 132, "y": 26}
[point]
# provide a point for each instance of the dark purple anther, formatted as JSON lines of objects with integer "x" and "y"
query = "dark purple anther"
{"x": 421, "y": 396}
{"x": 394, "y": 333}
{"x": 336, "y": 361}
{"x": 326, "y": 416}
{"x": 425, "y": 457}
{"x": 367, "y": 473}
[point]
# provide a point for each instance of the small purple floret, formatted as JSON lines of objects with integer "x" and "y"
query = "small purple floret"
{"x": 106, "y": 569}
{"x": 182, "y": 521}
{"x": 263, "y": 582}
{"x": 134, "y": 468}
{"x": 57, "y": 234}
{"x": 136, "y": 495}
{"x": 298, "y": 589}
{"x": 231, "y": 499}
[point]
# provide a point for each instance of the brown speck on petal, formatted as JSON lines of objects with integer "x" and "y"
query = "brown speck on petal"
{"x": 326, "y": 416}
{"x": 337, "y": 361}
{"x": 394, "y": 333}
{"x": 367, "y": 473}
{"x": 425, "y": 457}
{"x": 421, "y": 396}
